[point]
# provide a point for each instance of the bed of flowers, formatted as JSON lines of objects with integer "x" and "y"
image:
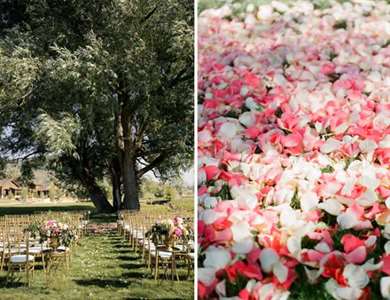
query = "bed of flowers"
{"x": 169, "y": 230}
{"x": 294, "y": 152}
{"x": 53, "y": 232}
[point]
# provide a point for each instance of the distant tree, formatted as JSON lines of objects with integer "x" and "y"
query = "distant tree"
{"x": 24, "y": 194}
{"x": 170, "y": 193}
{"x": 12, "y": 171}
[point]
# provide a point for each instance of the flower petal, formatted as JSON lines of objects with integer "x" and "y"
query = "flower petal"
{"x": 268, "y": 257}
{"x": 216, "y": 257}
{"x": 280, "y": 271}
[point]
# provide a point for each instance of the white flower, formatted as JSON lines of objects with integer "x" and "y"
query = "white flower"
{"x": 367, "y": 146}
{"x": 280, "y": 6}
{"x": 216, "y": 257}
{"x": 342, "y": 293}
{"x": 204, "y": 137}
{"x": 245, "y": 196}
{"x": 265, "y": 12}
{"x": 227, "y": 131}
{"x": 202, "y": 178}
{"x": 347, "y": 220}
{"x": 331, "y": 206}
{"x": 294, "y": 245}
{"x": 241, "y": 231}
{"x": 243, "y": 246}
{"x": 386, "y": 231}
{"x": 387, "y": 247}
{"x": 322, "y": 247}
{"x": 206, "y": 275}
{"x": 356, "y": 276}
{"x": 247, "y": 119}
{"x": 309, "y": 201}
{"x": 221, "y": 288}
{"x": 385, "y": 287}
{"x": 251, "y": 104}
{"x": 270, "y": 262}
{"x": 268, "y": 257}
{"x": 209, "y": 216}
{"x": 367, "y": 199}
{"x": 210, "y": 202}
{"x": 331, "y": 145}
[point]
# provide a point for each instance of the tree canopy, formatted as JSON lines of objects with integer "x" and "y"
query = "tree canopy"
{"x": 97, "y": 89}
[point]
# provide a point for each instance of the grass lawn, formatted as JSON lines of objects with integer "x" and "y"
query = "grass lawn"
{"x": 102, "y": 267}
{"x": 15, "y": 208}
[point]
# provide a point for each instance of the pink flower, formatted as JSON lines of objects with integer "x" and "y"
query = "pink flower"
{"x": 178, "y": 232}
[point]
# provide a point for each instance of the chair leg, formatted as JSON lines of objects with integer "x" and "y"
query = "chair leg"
{"x": 149, "y": 260}
{"x": 43, "y": 263}
{"x": 28, "y": 274}
{"x": 177, "y": 274}
{"x": 189, "y": 262}
{"x": 2, "y": 261}
{"x": 10, "y": 273}
{"x": 157, "y": 267}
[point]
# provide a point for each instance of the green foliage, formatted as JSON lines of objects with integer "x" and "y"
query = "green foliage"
{"x": 308, "y": 243}
{"x": 235, "y": 287}
{"x": 224, "y": 193}
{"x": 11, "y": 171}
{"x": 327, "y": 169}
{"x": 295, "y": 201}
{"x": 170, "y": 193}
{"x": 24, "y": 193}
{"x": 54, "y": 192}
{"x": 81, "y": 83}
{"x": 26, "y": 173}
{"x": 33, "y": 229}
{"x": 158, "y": 233}
{"x": 342, "y": 24}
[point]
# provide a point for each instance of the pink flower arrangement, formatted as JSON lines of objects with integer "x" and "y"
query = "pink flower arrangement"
{"x": 294, "y": 151}
{"x": 52, "y": 228}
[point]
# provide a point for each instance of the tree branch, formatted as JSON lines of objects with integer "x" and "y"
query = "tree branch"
{"x": 152, "y": 165}
{"x": 180, "y": 78}
{"x": 149, "y": 14}
{"x": 28, "y": 155}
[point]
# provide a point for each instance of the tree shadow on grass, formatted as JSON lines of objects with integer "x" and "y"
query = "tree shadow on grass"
{"x": 19, "y": 281}
{"x": 120, "y": 245}
{"x": 147, "y": 275}
{"x": 21, "y": 210}
{"x": 123, "y": 251}
{"x": 117, "y": 283}
{"x": 127, "y": 257}
{"x": 131, "y": 266}
{"x": 137, "y": 275}
{"x": 103, "y": 218}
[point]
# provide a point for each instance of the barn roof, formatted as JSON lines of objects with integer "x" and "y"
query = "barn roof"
{"x": 9, "y": 184}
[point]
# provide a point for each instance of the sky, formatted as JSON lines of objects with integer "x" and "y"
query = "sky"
{"x": 188, "y": 177}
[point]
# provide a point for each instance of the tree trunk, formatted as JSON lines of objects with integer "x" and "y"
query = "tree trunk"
{"x": 130, "y": 184}
{"x": 99, "y": 199}
{"x": 97, "y": 195}
{"x": 116, "y": 184}
{"x": 128, "y": 164}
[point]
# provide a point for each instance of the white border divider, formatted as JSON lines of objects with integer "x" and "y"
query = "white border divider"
{"x": 196, "y": 148}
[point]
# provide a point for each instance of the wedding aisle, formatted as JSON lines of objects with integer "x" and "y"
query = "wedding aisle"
{"x": 102, "y": 267}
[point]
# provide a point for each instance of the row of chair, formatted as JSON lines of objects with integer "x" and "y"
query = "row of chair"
{"x": 21, "y": 251}
{"x": 157, "y": 257}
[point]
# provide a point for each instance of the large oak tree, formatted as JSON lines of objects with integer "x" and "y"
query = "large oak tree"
{"x": 97, "y": 89}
